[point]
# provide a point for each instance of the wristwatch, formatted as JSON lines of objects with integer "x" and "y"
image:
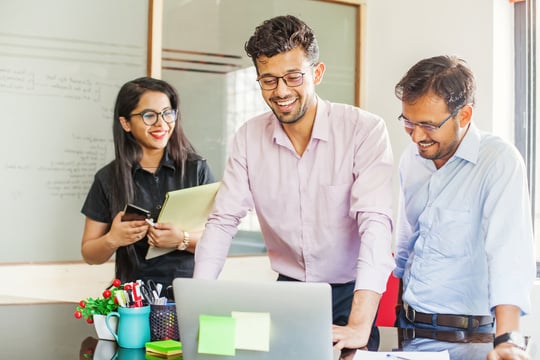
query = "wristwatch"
{"x": 511, "y": 337}
{"x": 185, "y": 242}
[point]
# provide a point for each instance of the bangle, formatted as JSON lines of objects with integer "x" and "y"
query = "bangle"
{"x": 184, "y": 243}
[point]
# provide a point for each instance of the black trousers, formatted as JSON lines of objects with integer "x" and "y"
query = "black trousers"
{"x": 342, "y": 296}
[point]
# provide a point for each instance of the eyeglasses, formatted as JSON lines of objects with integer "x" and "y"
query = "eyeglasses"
{"x": 292, "y": 79}
{"x": 151, "y": 117}
{"x": 428, "y": 127}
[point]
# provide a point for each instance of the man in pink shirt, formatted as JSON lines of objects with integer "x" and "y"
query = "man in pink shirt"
{"x": 318, "y": 175}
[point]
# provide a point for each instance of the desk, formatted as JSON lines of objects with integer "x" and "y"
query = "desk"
{"x": 42, "y": 331}
{"x": 50, "y": 331}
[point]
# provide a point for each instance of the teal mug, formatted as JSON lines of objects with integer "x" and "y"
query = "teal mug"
{"x": 133, "y": 326}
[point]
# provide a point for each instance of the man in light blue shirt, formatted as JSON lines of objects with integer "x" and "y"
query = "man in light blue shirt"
{"x": 464, "y": 232}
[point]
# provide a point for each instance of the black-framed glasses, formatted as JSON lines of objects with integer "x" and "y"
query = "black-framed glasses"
{"x": 292, "y": 79}
{"x": 428, "y": 127}
{"x": 151, "y": 117}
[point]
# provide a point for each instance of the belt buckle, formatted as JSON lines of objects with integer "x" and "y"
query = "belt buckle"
{"x": 410, "y": 313}
{"x": 409, "y": 333}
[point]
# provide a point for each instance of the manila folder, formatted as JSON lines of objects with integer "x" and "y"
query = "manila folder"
{"x": 188, "y": 209}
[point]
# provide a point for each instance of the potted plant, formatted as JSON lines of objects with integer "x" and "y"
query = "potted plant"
{"x": 94, "y": 310}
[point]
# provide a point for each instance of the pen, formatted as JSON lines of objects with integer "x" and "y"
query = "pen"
{"x": 392, "y": 356}
{"x": 150, "y": 222}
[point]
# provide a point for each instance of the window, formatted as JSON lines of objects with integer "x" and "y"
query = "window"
{"x": 535, "y": 117}
{"x": 527, "y": 133}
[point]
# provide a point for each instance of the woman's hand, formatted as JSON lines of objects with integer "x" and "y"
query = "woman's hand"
{"x": 167, "y": 235}
{"x": 124, "y": 233}
{"x": 100, "y": 240}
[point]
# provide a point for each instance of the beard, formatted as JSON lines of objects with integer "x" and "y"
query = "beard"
{"x": 289, "y": 117}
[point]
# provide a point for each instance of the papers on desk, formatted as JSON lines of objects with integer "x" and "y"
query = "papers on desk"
{"x": 186, "y": 208}
{"x": 401, "y": 355}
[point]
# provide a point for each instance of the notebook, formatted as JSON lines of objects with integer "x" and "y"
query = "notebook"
{"x": 187, "y": 208}
{"x": 299, "y": 314}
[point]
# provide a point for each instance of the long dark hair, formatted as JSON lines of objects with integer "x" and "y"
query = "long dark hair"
{"x": 128, "y": 153}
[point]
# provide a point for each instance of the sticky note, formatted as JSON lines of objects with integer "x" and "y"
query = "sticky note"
{"x": 252, "y": 330}
{"x": 217, "y": 335}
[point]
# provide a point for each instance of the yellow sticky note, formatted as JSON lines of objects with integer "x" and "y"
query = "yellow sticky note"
{"x": 217, "y": 335}
{"x": 252, "y": 330}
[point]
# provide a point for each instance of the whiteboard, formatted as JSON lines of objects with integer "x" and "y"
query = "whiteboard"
{"x": 62, "y": 63}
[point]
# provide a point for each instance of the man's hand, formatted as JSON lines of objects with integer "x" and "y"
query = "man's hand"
{"x": 355, "y": 335}
{"x": 507, "y": 352}
{"x": 349, "y": 337}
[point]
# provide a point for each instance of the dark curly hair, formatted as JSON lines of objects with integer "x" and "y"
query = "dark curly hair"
{"x": 448, "y": 77}
{"x": 281, "y": 34}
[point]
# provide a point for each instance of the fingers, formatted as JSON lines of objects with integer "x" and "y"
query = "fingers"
{"x": 347, "y": 337}
{"x": 151, "y": 240}
{"x": 507, "y": 353}
{"x": 136, "y": 233}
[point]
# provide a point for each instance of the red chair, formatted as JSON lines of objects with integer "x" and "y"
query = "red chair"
{"x": 387, "y": 306}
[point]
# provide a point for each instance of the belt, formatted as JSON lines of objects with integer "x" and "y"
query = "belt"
{"x": 470, "y": 322}
{"x": 460, "y": 336}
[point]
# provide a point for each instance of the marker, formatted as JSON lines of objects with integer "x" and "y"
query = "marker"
{"x": 120, "y": 298}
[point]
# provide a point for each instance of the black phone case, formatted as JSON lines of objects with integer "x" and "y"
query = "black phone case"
{"x": 132, "y": 212}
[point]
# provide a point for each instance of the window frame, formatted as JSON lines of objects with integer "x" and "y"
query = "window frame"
{"x": 525, "y": 115}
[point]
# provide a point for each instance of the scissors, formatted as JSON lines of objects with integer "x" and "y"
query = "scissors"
{"x": 150, "y": 291}
{"x": 154, "y": 288}
{"x": 147, "y": 294}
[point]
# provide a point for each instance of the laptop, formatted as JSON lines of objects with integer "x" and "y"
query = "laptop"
{"x": 300, "y": 316}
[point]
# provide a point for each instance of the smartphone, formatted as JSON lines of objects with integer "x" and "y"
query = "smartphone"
{"x": 133, "y": 212}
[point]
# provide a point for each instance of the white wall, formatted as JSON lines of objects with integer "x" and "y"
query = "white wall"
{"x": 399, "y": 33}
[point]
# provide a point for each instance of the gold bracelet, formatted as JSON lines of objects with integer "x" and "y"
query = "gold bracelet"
{"x": 185, "y": 242}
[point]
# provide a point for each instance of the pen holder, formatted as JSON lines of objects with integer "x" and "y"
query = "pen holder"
{"x": 163, "y": 322}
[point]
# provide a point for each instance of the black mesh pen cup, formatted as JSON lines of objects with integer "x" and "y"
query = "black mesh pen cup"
{"x": 163, "y": 322}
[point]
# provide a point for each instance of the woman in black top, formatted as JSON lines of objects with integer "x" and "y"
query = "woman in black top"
{"x": 152, "y": 156}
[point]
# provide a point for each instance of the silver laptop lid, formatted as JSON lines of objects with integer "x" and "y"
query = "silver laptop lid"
{"x": 300, "y": 315}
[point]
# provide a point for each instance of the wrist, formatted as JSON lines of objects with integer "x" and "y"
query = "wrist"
{"x": 184, "y": 243}
{"x": 110, "y": 242}
{"x": 511, "y": 338}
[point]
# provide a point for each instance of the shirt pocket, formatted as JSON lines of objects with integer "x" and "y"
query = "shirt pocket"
{"x": 451, "y": 232}
{"x": 333, "y": 204}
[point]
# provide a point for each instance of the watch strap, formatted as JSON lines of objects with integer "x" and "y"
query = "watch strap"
{"x": 511, "y": 337}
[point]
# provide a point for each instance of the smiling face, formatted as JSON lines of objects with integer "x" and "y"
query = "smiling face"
{"x": 291, "y": 104}
{"x": 155, "y": 137}
{"x": 438, "y": 145}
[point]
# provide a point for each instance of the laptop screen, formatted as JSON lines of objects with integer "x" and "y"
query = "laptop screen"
{"x": 285, "y": 320}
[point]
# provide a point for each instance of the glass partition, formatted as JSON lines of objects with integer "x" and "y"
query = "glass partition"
{"x": 205, "y": 60}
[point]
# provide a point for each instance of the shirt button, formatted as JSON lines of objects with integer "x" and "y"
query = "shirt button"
{"x": 158, "y": 207}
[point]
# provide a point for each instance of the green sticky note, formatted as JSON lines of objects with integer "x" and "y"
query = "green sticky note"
{"x": 217, "y": 335}
{"x": 252, "y": 330}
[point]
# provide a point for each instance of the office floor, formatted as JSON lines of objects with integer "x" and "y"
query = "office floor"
{"x": 71, "y": 282}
